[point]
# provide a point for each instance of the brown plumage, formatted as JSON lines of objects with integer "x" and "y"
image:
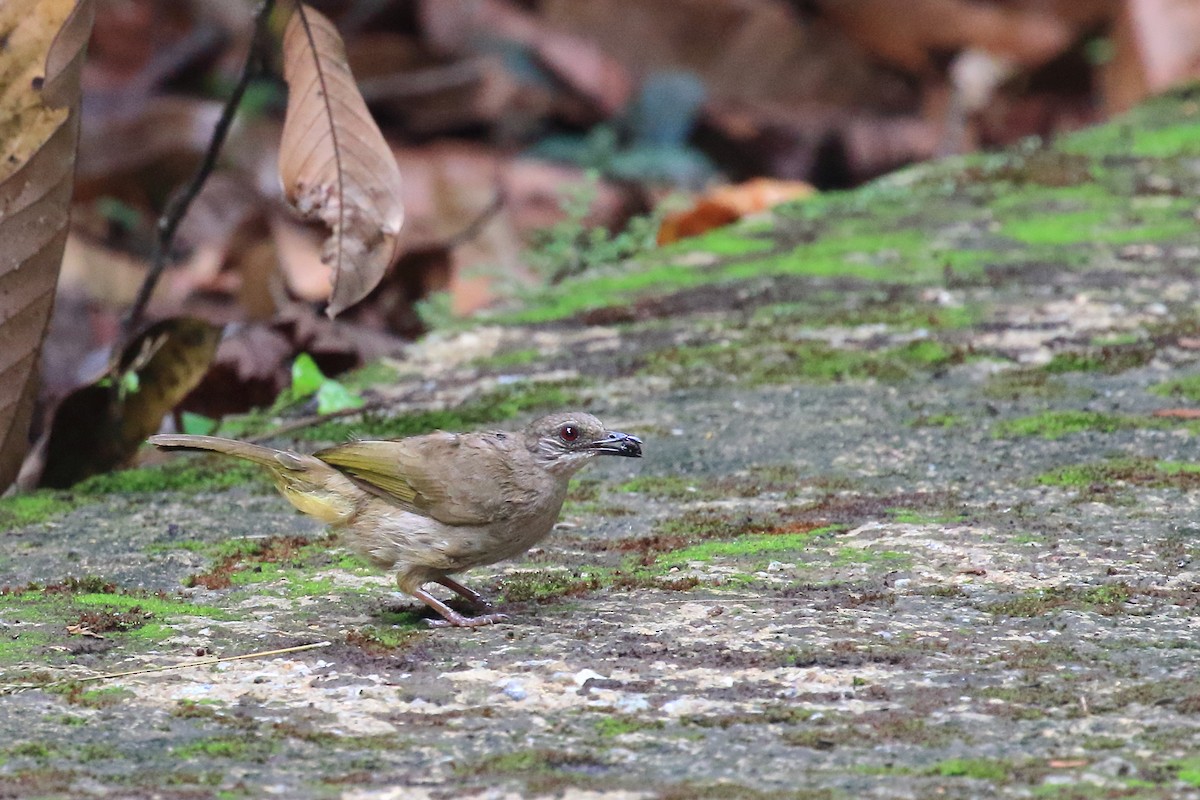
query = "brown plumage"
{"x": 430, "y": 506}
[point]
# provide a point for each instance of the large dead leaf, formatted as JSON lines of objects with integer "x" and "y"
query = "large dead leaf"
{"x": 334, "y": 162}
{"x": 43, "y": 44}
{"x": 99, "y": 427}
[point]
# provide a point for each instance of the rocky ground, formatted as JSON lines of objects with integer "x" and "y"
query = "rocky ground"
{"x": 918, "y": 517}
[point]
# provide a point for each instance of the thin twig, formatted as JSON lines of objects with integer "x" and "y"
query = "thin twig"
{"x": 24, "y": 687}
{"x": 179, "y": 203}
{"x": 317, "y": 419}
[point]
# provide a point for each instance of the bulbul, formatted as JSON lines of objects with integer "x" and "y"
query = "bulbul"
{"x": 433, "y": 505}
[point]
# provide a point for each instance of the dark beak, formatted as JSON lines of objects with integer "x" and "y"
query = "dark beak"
{"x": 618, "y": 444}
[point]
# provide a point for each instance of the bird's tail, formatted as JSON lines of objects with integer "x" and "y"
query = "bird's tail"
{"x": 267, "y": 456}
{"x": 308, "y": 483}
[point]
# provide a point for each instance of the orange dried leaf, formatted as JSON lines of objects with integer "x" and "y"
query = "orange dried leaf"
{"x": 1178, "y": 413}
{"x": 334, "y": 162}
{"x": 726, "y": 204}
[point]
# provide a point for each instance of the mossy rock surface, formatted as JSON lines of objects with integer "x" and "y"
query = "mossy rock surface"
{"x": 919, "y": 517}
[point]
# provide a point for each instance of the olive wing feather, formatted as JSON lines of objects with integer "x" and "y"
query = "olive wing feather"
{"x": 448, "y": 477}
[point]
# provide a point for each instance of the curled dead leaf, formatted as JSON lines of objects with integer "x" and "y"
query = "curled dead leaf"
{"x": 334, "y": 162}
{"x": 100, "y": 426}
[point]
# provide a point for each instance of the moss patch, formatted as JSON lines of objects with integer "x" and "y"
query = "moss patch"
{"x": 1057, "y": 424}
{"x": 1108, "y": 359}
{"x": 785, "y": 362}
{"x": 543, "y": 585}
{"x": 502, "y": 404}
{"x": 191, "y": 476}
{"x": 978, "y": 768}
{"x": 1108, "y": 599}
{"x": 1187, "y": 388}
{"x": 1127, "y": 470}
{"x": 244, "y": 561}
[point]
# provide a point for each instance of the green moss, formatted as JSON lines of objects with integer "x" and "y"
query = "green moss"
{"x": 1057, "y": 424}
{"x": 1128, "y": 470}
{"x": 619, "y": 726}
{"x": 827, "y": 309}
{"x": 1110, "y": 359}
{"x": 104, "y": 697}
{"x": 937, "y": 421}
{"x": 27, "y": 509}
{"x": 1187, "y": 388}
{"x": 542, "y": 585}
{"x": 575, "y": 296}
{"x": 754, "y": 547}
{"x": 502, "y": 404}
{"x": 544, "y": 772}
{"x": 671, "y": 487}
{"x": 509, "y": 359}
{"x": 788, "y": 361}
{"x": 1060, "y": 228}
{"x": 703, "y": 524}
{"x": 909, "y": 516}
{"x": 728, "y": 240}
{"x": 225, "y": 747}
{"x": 1107, "y": 599}
{"x": 1020, "y": 384}
{"x": 892, "y": 559}
{"x": 39, "y": 750}
{"x": 72, "y": 721}
{"x": 978, "y": 768}
{"x": 159, "y": 607}
{"x": 1188, "y": 771}
{"x": 1144, "y": 132}
{"x": 182, "y": 475}
{"x": 387, "y": 638}
{"x": 1117, "y": 339}
{"x": 901, "y": 256}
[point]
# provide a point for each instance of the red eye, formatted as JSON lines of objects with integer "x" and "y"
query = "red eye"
{"x": 568, "y": 433}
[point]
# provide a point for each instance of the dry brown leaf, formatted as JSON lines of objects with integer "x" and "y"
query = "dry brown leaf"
{"x": 44, "y": 43}
{"x": 334, "y": 162}
{"x": 83, "y": 630}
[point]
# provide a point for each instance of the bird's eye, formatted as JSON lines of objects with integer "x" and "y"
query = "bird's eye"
{"x": 568, "y": 433}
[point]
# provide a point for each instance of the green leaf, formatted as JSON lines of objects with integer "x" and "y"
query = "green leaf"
{"x": 130, "y": 383}
{"x": 332, "y": 396}
{"x": 306, "y": 376}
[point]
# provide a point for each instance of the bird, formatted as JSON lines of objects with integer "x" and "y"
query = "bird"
{"x": 434, "y": 505}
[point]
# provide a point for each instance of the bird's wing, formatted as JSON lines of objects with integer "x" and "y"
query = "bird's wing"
{"x": 451, "y": 478}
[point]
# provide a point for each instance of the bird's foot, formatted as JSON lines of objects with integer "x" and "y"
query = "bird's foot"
{"x": 477, "y": 601}
{"x": 456, "y": 620}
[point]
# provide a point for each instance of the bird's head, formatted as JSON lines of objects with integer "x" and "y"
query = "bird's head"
{"x": 565, "y": 442}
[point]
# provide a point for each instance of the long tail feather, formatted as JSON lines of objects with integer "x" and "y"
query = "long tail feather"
{"x": 266, "y": 456}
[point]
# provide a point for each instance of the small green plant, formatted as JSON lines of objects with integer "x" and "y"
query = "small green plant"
{"x": 435, "y": 310}
{"x": 307, "y": 379}
{"x": 569, "y": 247}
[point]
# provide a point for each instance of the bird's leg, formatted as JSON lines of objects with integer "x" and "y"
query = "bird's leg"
{"x": 473, "y": 597}
{"x": 452, "y": 617}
